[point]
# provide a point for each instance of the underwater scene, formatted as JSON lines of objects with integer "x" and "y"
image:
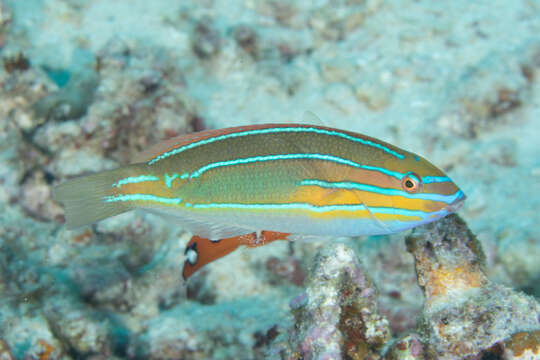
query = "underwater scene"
{"x": 269, "y": 179}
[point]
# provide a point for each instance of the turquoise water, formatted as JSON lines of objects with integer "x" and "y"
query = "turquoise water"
{"x": 86, "y": 85}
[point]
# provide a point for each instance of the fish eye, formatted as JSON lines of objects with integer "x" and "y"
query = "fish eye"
{"x": 411, "y": 183}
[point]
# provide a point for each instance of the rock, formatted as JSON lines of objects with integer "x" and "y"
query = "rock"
{"x": 71, "y": 101}
{"x": 193, "y": 331}
{"x": 5, "y": 352}
{"x": 206, "y": 41}
{"x": 337, "y": 317}
{"x": 35, "y": 198}
{"x": 487, "y": 92}
{"x": 448, "y": 260}
{"x": 18, "y": 62}
{"x": 246, "y": 37}
{"x": 523, "y": 345}
{"x": 408, "y": 348}
{"x": 465, "y": 314}
{"x": 78, "y": 328}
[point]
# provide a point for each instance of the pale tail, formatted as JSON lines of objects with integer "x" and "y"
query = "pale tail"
{"x": 83, "y": 198}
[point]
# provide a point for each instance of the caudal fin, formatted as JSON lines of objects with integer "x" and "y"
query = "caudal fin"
{"x": 83, "y": 198}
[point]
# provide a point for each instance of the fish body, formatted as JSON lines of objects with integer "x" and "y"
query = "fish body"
{"x": 284, "y": 178}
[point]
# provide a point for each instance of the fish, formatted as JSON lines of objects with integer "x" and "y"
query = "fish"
{"x": 253, "y": 185}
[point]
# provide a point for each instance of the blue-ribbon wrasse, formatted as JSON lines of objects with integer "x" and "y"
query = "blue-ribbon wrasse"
{"x": 252, "y": 185}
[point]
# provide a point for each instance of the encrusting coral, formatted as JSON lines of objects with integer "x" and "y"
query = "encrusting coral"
{"x": 466, "y": 315}
{"x": 337, "y": 317}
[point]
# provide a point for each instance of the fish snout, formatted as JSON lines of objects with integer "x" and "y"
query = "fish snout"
{"x": 457, "y": 203}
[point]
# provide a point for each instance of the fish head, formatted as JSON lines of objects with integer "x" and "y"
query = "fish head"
{"x": 426, "y": 193}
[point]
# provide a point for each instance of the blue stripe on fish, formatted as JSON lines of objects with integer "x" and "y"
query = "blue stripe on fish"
{"x": 143, "y": 197}
{"x": 448, "y": 199}
{"x": 170, "y": 178}
{"x": 274, "y": 131}
{"x": 435, "y": 179}
{"x": 264, "y": 158}
{"x": 135, "y": 179}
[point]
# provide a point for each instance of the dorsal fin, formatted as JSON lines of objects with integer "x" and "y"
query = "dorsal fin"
{"x": 309, "y": 117}
{"x": 169, "y": 144}
{"x": 156, "y": 149}
{"x": 182, "y": 140}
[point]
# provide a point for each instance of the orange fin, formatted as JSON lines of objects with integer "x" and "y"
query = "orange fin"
{"x": 200, "y": 251}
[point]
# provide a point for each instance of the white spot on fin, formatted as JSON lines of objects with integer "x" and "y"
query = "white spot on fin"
{"x": 192, "y": 256}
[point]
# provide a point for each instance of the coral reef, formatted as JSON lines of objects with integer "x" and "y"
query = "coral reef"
{"x": 337, "y": 317}
{"x": 448, "y": 259}
{"x": 407, "y": 348}
{"x": 222, "y": 331}
{"x": 522, "y": 345}
{"x": 71, "y": 101}
{"x": 465, "y": 314}
{"x": 5, "y": 353}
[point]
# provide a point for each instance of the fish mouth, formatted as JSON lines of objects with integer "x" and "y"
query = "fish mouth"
{"x": 457, "y": 203}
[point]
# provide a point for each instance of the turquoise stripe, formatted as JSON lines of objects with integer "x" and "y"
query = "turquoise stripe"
{"x": 264, "y": 158}
{"x": 135, "y": 179}
{"x": 448, "y": 199}
{"x": 275, "y": 131}
{"x": 256, "y": 159}
{"x": 314, "y": 156}
{"x": 435, "y": 179}
{"x": 314, "y": 208}
{"x": 169, "y": 178}
{"x": 143, "y": 197}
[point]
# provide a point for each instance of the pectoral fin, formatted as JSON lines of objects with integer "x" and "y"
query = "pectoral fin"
{"x": 264, "y": 238}
{"x": 200, "y": 251}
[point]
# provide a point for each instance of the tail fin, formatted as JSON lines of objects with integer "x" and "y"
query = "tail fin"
{"x": 83, "y": 198}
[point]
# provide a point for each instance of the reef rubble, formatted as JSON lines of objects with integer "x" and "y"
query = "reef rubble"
{"x": 337, "y": 316}
{"x": 465, "y": 315}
